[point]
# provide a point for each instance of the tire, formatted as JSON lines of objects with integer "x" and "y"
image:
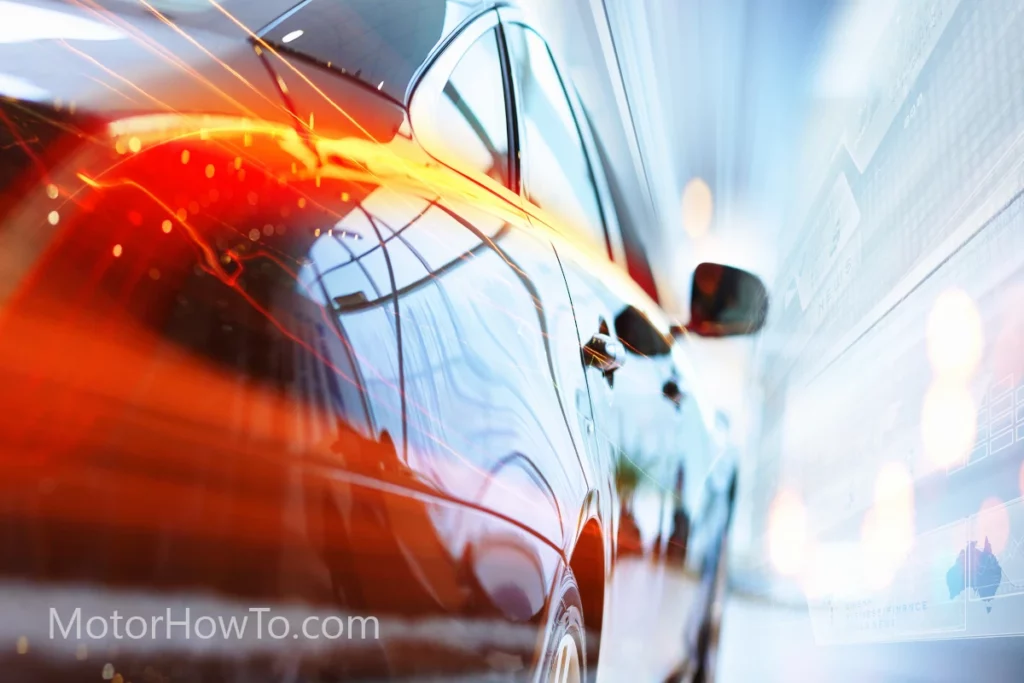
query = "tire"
{"x": 565, "y": 654}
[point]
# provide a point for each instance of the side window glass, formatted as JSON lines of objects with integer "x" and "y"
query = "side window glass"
{"x": 469, "y": 129}
{"x": 556, "y": 173}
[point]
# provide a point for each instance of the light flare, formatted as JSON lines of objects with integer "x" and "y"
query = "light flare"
{"x": 954, "y": 336}
{"x": 787, "y": 533}
{"x": 949, "y": 422}
{"x": 887, "y": 532}
{"x": 698, "y": 208}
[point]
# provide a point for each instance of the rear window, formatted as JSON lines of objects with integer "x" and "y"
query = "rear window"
{"x": 381, "y": 43}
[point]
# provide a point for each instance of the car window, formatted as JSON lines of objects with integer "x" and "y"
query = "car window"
{"x": 556, "y": 172}
{"x": 469, "y": 129}
{"x": 382, "y": 44}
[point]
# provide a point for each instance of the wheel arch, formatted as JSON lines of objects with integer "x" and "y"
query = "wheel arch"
{"x": 588, "y": 566}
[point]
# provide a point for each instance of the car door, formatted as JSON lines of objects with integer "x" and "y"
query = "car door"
{"x": 487, "y": 331}
{"x": 645, "y": 415}
{"x": 205, "y": 389}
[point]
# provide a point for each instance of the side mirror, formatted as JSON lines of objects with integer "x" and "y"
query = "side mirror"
{"x": 726, "y": 301}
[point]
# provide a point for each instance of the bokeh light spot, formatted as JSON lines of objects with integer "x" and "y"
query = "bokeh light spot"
{"x": 894, "y": 489}
{"x": 787, "y": 533}
{"x": 887, "y": 532}
{"x": 954, "y": 335}
{"x": 948, "y": 424}
{"x": 698, "y": 208}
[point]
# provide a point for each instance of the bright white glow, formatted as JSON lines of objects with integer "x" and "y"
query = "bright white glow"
{"x": 845, "y": 69}
{"x": 887, "y": 532}
{"x": 954, "y": 336}
{"x": 292, "y": 36}
{"x": 20, "y": 89}
{"x": 833, "y": 571}
{"x": 948, "y": 424}
{"x": 698, "y": 207}
{"x": 24, "y": 23}
{"x": 787, "y": 533}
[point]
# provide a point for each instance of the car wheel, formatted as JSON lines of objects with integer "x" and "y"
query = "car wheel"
{"x": 565, "y": 657}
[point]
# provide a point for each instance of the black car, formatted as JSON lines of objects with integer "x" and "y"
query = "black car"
{"x": 318, "y": 316}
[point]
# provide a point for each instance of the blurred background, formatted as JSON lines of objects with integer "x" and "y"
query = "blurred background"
{"x": 864, "y": 158}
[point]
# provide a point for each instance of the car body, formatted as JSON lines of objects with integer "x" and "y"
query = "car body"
{"x": 319, "y": 307}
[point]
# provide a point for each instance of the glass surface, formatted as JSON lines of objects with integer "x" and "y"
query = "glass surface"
{"x": 382, "y": 44}
{"x": 473, "y": 113}
{"x": 555, "y": 168}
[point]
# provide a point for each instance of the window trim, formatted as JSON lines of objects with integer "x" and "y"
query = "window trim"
{"x": 514, "y": 18}
{"x": 428, "y": 90}
{"x": 511, "y": 113}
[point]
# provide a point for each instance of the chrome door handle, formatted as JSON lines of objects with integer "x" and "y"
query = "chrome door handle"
{"x": 604, "y": 353}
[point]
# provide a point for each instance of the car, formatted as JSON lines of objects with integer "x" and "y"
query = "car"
{"x": 321, "y": 313}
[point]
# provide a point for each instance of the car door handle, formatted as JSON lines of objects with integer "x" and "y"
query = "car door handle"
{"x": 604, "y": 353}
{"x": 673, "y": 393}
